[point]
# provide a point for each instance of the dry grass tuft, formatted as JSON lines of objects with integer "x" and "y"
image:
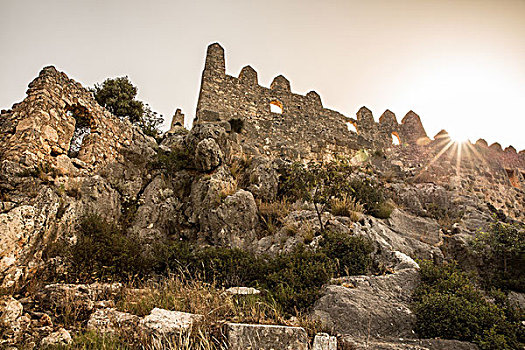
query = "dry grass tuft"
{"x": 272, "y": 214}
{"x": 227, "y": 189}
{"x": 347, "y": 206}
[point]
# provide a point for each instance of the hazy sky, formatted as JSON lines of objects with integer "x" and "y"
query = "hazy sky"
{"x": 459, "y": 64}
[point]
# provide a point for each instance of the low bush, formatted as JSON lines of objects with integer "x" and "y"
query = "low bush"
{"x": 369, "y": 193}
{"x": 103, "y": 252}
{"x": 351, "y": 254}
{"x": 170, "y": 162}
{"x": 502, "y": 248}
{"x": 448, "y": 305}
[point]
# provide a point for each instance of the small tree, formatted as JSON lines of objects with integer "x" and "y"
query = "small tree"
{"x": 317, "y": 183}
{"x": 321, "y": 183}
{"x": 118, "y": 95}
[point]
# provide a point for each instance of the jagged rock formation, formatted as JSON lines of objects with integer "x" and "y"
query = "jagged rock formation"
{"x": 62, "y": 156}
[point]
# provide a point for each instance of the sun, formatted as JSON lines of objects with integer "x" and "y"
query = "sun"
{"x": 459, "y": 137}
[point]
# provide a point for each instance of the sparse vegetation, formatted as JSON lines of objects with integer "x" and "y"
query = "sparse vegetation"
{"x": 272, "y": 214}
{"x": 347, "y": 206}
{"x": 170, "y": 162}
{"x": 333, "y": 184}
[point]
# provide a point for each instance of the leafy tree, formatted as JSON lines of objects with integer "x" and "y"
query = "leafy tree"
{"x": 118, "y": 95}
{"x": 150, "y": 122}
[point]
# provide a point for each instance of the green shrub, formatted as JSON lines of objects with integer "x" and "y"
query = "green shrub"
{"x": 292, "y": 280}
{"x": 369, "y": 193}
{"x": 447, "y": 305}
{"x": 350, "y": 253}
{"x": 170, "y": 162}
{"x": 103, "y": 251}
{"x": 503, "y": 251}
{"x": 91, "y": 340}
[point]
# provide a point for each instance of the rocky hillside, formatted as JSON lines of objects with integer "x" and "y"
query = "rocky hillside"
{"x": 201, "y": 241}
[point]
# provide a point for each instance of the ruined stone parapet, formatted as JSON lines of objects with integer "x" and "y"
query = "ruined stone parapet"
{"x": 248, "y": 76}
{"x": 280, "y": 122}
{"x": 58, "y": 120}
{"x": 412, "y": 130}
{"x": 177, "y": 121}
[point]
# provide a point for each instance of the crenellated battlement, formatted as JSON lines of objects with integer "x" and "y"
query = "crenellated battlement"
{"x": 281, "y": 122}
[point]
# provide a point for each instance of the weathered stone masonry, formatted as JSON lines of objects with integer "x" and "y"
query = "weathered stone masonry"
{"x": 304, "y": 129}
{"x": 41, "y": 128}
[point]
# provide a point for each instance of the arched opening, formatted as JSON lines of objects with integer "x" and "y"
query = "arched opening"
{"x": 82, "y": 128}
{"x": 276, "y": 107}
{"x": 395, "y": 139}
{"x": 351, "y": 127}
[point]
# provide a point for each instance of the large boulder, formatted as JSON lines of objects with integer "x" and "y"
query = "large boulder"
{"x": 208, "y": 155}
{"x": 111, "y": 321}
{"x": 265, "y": 337}
{"x": 234, "y": 222}
{"x": 162, "y": 322}
{"x": 387, "y": 240}
{"x": 406, "y": 344}
{"x": 58, "y": 338}
{"x": 369, "y": 306}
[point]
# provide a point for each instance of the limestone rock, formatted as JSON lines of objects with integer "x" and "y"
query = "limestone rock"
{"x": 324, "y": 341}
{"x": 208, "y": 155}
{"x": 109, "y": 320}
{"x": 263, "y": 178}
{"x": 376, "y": 306}
{"x": 234, "y": 222}
{"x": 60, "y": 337}
{"x": 406, "y": 344}
{"x": 388, "y": 240}
{"x": 517, "y": 299}
{"x": 265, "y": 337}
{"x": 10, "y": 310}
{"x": 242, "y": 291}
{"x": 83, "y": 295}
{"x": 423, "y": 229}
{"x": 403, "y": 261}
{"x": 164, "y": 322}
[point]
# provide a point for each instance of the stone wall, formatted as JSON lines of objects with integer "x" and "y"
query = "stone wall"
{"x": 299, "y": 127}
{"x": 42, "y": 127}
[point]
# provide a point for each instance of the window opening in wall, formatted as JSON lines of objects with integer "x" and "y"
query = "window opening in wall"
{"x": 513, "y": 178}
{"x": 351, "y": 127}
{"x": 276, "y": 107}
{"x": 82, "y": 128}
{"x": 395, "y": 139}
